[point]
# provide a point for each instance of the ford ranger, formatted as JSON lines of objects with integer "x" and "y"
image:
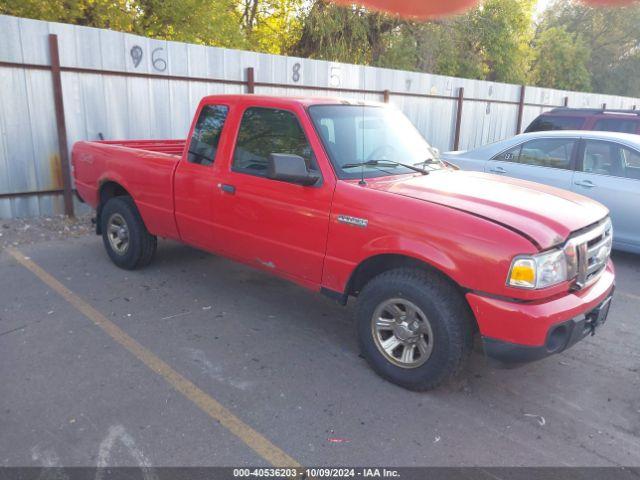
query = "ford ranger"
{"x": 347, "y": 198}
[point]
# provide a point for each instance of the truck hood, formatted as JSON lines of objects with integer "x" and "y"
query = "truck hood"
{"x": 546, "y": 215}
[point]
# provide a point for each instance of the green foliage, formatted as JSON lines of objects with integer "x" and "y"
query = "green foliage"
{"x": 612, "y": 37}
{"x": 401, "y": 51}
{"x": 116, "y": 14}
{"x": 489, "y": 42}
{"x": 271, "y": 26}
{"x": 560, "y": 61}
{"x": 498, "y": 34}
{"x": 212, "y": 22}
{"x": 573, "y": 46}
{"x": 195, "y": 21}
{"x": 337, "y": 33}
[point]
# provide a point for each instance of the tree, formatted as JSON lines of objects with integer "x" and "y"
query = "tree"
{"x": 610, "y": 35}
{"x": 211, "y": 22}
{"x": 492, "y": 41}
{"x": 115, "y": 14}
{"x": 344, "y": 34}
{"x": 196, "y": 21}
{"x": 560, "y": 61}
{"x": 272, "y": 26}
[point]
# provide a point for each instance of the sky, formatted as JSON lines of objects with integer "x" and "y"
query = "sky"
{"x": 542, "y": 4}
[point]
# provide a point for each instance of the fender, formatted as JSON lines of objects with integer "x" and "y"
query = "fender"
{"x": 339, "y": 275}
{"x": 413, "y": 248}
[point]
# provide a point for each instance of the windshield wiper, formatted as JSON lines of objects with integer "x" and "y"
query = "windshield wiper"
{"x": 385, "y": 163}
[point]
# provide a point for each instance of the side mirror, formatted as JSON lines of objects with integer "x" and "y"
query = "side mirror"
{"x": 290, "y": 168}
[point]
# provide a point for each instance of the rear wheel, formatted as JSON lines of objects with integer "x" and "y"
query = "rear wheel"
{"x": 124, "y": 234}
{"x": 414, "y": 328}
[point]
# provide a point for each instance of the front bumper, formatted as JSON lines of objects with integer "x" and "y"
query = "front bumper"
{"x": 515, "y": 333}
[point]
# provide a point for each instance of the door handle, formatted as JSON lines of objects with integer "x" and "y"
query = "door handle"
{"x": 497, "y": 170}
{"x": 227, "y": 188}
{"x": 586, "y": 184}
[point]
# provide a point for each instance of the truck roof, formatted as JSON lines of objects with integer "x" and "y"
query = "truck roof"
{"x": 286, "y": 101}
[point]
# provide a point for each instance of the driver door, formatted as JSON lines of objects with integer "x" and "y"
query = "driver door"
{"x": 270, "y": 224}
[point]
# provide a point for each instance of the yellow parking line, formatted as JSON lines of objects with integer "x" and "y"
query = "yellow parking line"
{"x": 260, "y": 444}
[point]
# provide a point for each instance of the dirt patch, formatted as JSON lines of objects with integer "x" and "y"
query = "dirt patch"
{"x": 23, "y": 231}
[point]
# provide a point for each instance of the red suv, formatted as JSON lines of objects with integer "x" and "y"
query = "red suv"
{"x": 627, "y": 121}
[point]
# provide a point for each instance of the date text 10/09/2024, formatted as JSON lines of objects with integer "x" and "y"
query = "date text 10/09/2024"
{"x": 315, "y": 473}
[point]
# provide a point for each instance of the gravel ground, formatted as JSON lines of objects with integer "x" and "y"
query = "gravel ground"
{"x": 27, "y": 231}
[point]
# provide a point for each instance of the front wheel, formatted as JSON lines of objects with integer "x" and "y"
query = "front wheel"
{"x": 414, "y": 328}
{"x": 124, "y": 234}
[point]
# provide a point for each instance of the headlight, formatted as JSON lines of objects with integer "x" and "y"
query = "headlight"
{"x": 540, "y": 271}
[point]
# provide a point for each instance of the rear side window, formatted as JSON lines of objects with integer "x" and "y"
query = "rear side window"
{"x": 206, "y": 134}
{"x": 607, "y": 158}
{"x": 552, "y": 122}
{"x": 509, "y": 156}
{"x": 631, "y": 159}
{"x": 599, "y": 157}
{"x": 264, "y": 131}
{"x": 616, "y": 125}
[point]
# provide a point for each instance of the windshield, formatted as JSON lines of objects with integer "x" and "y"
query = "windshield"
{"x": 353, "y": 134}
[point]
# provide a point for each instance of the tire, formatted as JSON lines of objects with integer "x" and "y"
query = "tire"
{"x": 439, "y": 347}
{"x": 140, "y": 244}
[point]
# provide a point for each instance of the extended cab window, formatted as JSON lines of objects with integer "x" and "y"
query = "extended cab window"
{"x": 206, "y": 134}
{"x": 264, "y": 131}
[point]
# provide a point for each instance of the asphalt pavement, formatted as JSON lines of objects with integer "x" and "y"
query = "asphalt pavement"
{"x": 198, "y": 361}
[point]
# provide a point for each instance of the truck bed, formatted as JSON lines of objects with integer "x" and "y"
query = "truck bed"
{"x": 144, "y": 168}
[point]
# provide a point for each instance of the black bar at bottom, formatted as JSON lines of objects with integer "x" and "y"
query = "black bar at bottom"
{"x": 405, "y": 473}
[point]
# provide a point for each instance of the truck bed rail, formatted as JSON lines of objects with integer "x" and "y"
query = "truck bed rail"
{"x": 171, "y": 147}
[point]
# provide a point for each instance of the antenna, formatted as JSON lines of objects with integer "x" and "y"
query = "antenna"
{"x": 362, "y": 181}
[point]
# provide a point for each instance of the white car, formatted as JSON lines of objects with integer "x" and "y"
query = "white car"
{"x": 602, "y": 165}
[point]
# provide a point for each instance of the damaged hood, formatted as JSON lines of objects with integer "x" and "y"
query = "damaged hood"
{"x": 546, "y": 215}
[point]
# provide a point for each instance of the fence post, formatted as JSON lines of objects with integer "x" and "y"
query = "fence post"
{"x": 604, "y": 106}
{"x": 566, "y": 101}
{"x": 251, "y": 85}
{"x": 456, "y": 138}
{"x": 386, "y": 96}
{"x": 61, "y": 124}
{"x": 523, "y": 90}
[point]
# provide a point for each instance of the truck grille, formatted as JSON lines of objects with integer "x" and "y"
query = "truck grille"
{"x": 593, "y": 249}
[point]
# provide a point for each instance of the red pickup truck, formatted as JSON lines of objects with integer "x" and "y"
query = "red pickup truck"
{"x": 348, "y": 199}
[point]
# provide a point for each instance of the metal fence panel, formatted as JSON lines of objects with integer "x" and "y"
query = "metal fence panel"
{"x": 125, "y": 94}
